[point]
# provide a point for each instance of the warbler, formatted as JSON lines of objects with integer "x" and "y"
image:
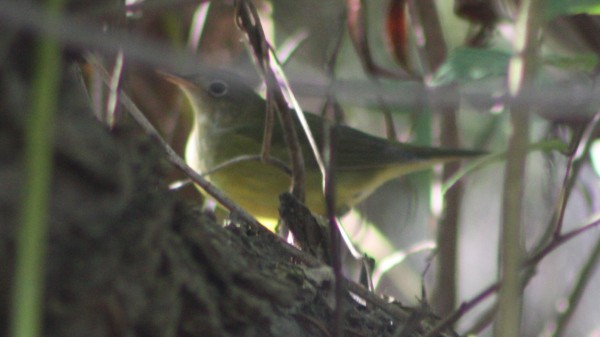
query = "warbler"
{"x": 229, "y": 119}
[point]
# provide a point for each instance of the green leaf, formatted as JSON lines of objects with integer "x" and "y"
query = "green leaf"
{"x": 579, "y": 62}
{"x": 465, "y": 65}
{"x": 555, "y": 8}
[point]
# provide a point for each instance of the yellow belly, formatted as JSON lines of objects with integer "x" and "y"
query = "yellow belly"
{"x": 256, "y": 188}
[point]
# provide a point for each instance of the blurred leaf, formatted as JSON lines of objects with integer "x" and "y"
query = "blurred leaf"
{"x": 397, "y": 30}
{"x": 595, "y": 156}
{"x": 467, "y": 64}
{"x": 579, "y": 62}
{"x": 568, "y": 7}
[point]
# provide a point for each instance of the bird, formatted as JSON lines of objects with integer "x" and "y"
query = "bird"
{"x": 229, "y": 119}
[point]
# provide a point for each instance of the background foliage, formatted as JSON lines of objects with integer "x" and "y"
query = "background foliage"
{"x": 450, "y": 94}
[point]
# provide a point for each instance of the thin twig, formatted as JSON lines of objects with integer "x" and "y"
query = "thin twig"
{"x": 565, "y": 192}
{"x": 391, "y": 309}
{"x": 329, "y": 178}
{"x": 114, "y": 89}
{"x": 576, "y": 161}
{"x": 249, "y": 22}
{"x": 285, "y": 85}
{"x": 576, "y": 295}
{"x": 527, "y": 265}
{"x": 265, "y": 151}
{"x": 536, "y": 258}
{"x": 483, "y": 321}
{"x": 277, "y": 163}
{"x": 330, "y": 151}
{"x": 464, "y": 308}
{"x": 579, "y": 148}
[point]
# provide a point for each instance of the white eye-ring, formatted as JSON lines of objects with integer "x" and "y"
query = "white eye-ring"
{"x": 218, "y": 88}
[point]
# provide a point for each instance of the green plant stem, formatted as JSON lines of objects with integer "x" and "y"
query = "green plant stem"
{"x": 522, "y": 71}
{"x": 511, "y": 245}
{"x": 28, "y": 282}
{"x": 444, "y": 299}
{"x": 433, "y": 53}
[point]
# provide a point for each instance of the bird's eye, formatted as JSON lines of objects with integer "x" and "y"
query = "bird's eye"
{"x": 218, "y": 88}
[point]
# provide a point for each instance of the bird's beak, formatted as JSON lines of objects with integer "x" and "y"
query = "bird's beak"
{"x": 176, "y": 79}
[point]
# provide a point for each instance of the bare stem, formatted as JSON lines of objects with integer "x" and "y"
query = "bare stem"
{"x": 521, "y": 76}
{"x": 249, "y": 22}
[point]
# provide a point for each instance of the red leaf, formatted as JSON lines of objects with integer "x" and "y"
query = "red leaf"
{"x": 397, "y": 34}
